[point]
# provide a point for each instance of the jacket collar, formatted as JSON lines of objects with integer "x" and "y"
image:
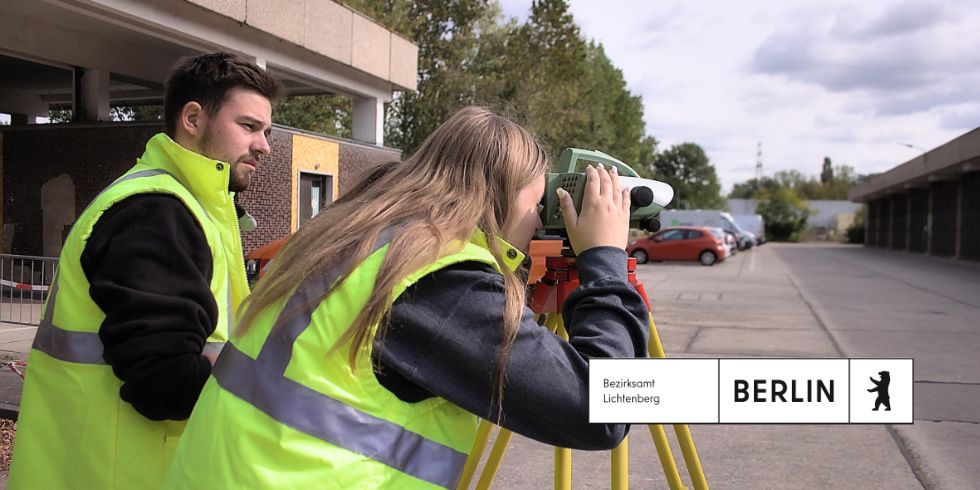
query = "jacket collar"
{"x": 510, "y": 254}
{"x": 205, "y": 178}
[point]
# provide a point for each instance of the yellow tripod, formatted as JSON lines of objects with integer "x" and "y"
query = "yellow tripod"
{"x": 560, "y": 278}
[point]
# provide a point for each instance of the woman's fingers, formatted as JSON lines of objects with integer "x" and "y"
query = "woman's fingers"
{"x": 592, "y": 181}
{"x": 568, "y": 213}
{"x": 605, "y": 181}
{"x": 617, "y": 195}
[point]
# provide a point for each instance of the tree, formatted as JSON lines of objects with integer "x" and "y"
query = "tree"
{"x": 542, "y": 73}
{"x": 752, "y": 188}
{"x": 327, "y": 114}
{"x": 827, "y": 174}
{"x": 687, "y": 169}
{"x": 784, "y": 213}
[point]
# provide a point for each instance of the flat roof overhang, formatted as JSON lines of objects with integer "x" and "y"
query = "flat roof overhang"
{"x": 944, "y": 163}
{"x": 314, "y": 46}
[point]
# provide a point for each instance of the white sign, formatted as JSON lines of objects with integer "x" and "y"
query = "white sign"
{"x": 784, "y": 391}
{"x": 667, "y": 391}
{"x": 751, "y": 391}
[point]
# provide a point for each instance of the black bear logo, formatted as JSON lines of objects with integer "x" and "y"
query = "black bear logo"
{"x": 882, "y": 388}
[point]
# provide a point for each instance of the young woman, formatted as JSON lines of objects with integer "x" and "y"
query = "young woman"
{"x": 395, "y": 319}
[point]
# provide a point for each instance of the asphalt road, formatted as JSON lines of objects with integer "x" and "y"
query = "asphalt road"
{"x": 812, "y": 300}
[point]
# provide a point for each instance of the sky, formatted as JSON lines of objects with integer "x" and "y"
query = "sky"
{"x": 849, "y": 80}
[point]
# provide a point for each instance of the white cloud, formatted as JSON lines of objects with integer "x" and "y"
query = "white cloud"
{"x": 838, "y": 78}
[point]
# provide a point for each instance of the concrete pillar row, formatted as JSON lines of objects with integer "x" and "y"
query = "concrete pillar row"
{"x": 367, "y": 120}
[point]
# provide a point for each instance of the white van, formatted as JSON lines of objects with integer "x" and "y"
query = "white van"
{"x": 755, "y": 224}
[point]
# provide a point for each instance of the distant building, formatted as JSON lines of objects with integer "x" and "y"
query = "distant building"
{"x": 929, "y": 204}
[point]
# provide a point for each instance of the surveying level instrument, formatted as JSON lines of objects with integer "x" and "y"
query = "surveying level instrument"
{"x": 647, "y": 197}
{"x": 560, "y": 279}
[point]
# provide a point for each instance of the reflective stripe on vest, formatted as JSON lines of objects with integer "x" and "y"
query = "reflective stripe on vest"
{"x": 262, "y": 383}
{"x": 86, "y": 347}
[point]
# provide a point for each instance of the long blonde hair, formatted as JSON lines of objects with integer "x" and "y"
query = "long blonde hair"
{"x": 464, "y": 176}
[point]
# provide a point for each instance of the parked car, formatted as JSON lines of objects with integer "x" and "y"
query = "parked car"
{"x": 731, "y": 243}
{"x": 680, "y": 243}
{"x": 258, "y": 259}
{"x": 707, "y": 217}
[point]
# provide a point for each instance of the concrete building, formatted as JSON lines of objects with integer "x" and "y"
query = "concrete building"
{"x": 92, "y": 55}
{"x": 930, "y": 204}
{"x": 829, "y": 216}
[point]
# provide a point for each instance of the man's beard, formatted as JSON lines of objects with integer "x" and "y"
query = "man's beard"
{"x": 236, "y": 182}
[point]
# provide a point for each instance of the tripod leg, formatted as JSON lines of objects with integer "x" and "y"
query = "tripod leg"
{"x": 482, "y": 435}
{"x": 666, "y": 457}
{"x": 563, "y": 456}
{"x": 563, "y": 468}
{"x": 621, "y": 466}
{"x": 493, "y": 462}
{"x": 684, "y": 438}
{"x": 691, "y": 459}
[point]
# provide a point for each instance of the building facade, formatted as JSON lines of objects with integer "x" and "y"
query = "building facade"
{"x": 88, "y": 56}
{"x": 930, "y": 204}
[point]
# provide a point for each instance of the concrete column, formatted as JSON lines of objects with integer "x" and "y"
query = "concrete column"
{"x": 891, "y": 221}
{"x": 908, "y": 220}
{"x": 929, "y": 224}
{"x": 959, "y": 219}
{"x": 94, "y": 100}
{"x": 368, "y": 120}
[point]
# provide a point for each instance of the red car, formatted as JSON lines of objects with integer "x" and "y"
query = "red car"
{"x": 680, "y": 243}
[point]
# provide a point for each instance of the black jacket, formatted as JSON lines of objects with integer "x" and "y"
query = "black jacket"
{"x": 149, "y": 269}
{"x": 444, "y": 332}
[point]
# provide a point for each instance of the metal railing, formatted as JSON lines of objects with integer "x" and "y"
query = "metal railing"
{"x": 24, "y": 283}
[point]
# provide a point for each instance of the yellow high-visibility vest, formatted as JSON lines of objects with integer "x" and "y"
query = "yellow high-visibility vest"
{"x": 74, "y": 431}
{"x": 283, "y": 410}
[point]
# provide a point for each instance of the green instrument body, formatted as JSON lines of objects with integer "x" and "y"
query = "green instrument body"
{"x": 645, "y": 210}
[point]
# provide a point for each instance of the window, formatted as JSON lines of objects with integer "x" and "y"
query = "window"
{"x": 315, "y": 192}
{"x": 672, "y": 235}
{"x": 693, "y": 234}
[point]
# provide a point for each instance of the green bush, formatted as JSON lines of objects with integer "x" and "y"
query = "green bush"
{"x": 785, "y": 214}
{"x": 855, "y": 233}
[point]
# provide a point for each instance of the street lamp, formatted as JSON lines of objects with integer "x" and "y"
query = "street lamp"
{"x": 914, "y": 147}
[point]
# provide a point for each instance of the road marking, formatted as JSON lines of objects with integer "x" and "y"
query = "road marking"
{"x": 17, "y": 329}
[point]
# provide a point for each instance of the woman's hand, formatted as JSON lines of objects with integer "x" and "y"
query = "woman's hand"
{"x": 605, "y": 212}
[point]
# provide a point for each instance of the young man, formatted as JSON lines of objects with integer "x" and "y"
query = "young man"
{"x": 148, "y": 281}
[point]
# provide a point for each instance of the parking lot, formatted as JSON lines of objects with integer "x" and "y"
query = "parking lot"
{"x": 812, "y": 300}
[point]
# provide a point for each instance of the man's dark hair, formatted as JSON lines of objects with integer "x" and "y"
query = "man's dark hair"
{"x": 206, "y": 79}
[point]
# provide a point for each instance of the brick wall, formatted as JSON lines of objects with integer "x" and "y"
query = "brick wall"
{"x": 268, "y": 197}
{"x": 92, "y": 155}
{"x": 354, "y": 159}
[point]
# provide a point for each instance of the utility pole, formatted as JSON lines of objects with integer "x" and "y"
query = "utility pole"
{"x": 758, "y": 163}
